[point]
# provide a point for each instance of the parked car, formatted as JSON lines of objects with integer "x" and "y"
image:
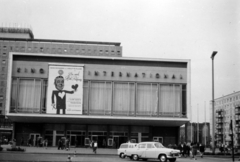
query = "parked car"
{"x": 152, "y": 150}
{"x": 123, "y": 147}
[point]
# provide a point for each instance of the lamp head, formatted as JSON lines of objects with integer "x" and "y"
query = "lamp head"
{"x": 213, "y": 54}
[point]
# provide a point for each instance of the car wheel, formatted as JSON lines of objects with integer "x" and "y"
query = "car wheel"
{"x": 163, "y": 158}
{"x": 135, "y": 157}
{"x": 172, "y": 160}
{"x": 122, "y": 155}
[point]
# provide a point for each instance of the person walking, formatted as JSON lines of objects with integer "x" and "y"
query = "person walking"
{"x": 201, "y": 149}
{"x": 59, "y": 144}
{"x": 194, "y": 151}
{"x": 29, "y": 142}
{"x": 95, "y": 145}
{"x": 67, "y": 143}
{"x": 180, "y": 147}
{"x": 22, "y": 141}
{"x": 46, "y": 143}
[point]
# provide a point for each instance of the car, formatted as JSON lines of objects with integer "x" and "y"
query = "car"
{"x": 123, "y": 147}
{"x": 152, "y": 150}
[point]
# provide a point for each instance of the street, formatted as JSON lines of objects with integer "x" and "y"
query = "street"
{"x": 23, "y": 157}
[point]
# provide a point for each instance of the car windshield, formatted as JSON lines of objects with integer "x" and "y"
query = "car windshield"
{"x": 158, "y": 145}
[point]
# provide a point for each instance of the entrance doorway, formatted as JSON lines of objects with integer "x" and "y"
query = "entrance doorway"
{"x": 34, "y": 138}
{"x": 115, "y": 141}
{"x": 80, "y": 141}
{"x": 73, "y": 140}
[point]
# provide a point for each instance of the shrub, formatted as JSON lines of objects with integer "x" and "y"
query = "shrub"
{"x": 1, "y": 148}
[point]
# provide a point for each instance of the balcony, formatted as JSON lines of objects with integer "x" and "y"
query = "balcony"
{"x": 219, "y": 133}
{"x": 219, "y": 139}
{"x": 219, "y": 116}
{"x": 237, "y": 117}
{"x": 237, "y": 111}
{"x": 237, "y": 131}
{"x": 219, "y": 121}
{"x": 219, "y": 127}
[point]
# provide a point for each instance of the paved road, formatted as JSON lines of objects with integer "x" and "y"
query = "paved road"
{"x": 30, "y": 157}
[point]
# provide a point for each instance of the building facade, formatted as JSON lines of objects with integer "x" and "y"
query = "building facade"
{"x": 226, "y": 109}
{"x": 87, "y": 91}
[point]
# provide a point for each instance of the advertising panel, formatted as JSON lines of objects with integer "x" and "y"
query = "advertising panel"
{"x": 65, "y": 90}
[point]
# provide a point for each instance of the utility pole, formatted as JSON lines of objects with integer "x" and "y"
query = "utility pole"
{"x": 213, "y": 111}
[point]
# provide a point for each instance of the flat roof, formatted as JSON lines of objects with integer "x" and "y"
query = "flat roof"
{"x": 104, "y": 57}
{"x": 62, "y": 41}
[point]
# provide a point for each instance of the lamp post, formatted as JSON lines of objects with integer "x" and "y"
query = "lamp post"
{"x": 213, "y": 119}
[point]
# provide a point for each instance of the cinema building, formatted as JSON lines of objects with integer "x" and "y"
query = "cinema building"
{"x": 87, "y": 91}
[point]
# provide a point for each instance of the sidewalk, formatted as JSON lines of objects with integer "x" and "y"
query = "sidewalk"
{"x": 81, "y": 151}
{"x": 73, "y": 150}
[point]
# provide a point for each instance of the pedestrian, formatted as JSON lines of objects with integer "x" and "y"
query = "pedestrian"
{"x": 221, "y": 148}
{"x": 22, "y": 141}
{"x": 69, "y": 158}
{"x": 104, "y": 143}
{"x": 46, "y": 143}
{"x": 201, "y": 149}
{"x": 92, "y": 145}
{"x": 14, "y": 143}
{"x": 59, "y": 144}
{"x": 95, "y": 145}
{"x": 188, "y": 149}
{"x": 76, "y": 143}
{"x": 194, "y": 151}
{"x": 225, "y": 149}
{"x": 180, "y": 148}
{"x": 184, "y": 149}
{"x": 29, "y": 142}
{"x": 67, "y": 144}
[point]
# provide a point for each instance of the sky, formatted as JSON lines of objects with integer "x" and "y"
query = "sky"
{"x": 170, "y": 29}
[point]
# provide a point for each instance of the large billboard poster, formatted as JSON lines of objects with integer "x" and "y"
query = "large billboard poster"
{"x": 65, "y": 90}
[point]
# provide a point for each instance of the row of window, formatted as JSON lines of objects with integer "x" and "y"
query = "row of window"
{"x": 227, "y": 100}
{"x": 106, "y": 98}
{"x": 62, "y": 50}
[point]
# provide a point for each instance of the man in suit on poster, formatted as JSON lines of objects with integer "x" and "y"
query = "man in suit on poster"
{"x": 60, "y": 94}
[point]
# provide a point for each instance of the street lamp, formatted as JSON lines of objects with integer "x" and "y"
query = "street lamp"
{"x": 213, "y": 112}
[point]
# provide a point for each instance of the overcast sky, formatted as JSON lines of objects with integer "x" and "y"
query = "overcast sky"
{"x": 174, "y": 29}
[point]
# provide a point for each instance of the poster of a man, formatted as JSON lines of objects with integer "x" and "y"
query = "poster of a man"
{"x": 65, "y": 95}
{"x": 60, "y": 94}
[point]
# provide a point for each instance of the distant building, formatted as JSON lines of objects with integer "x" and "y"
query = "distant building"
{"x": 86, "y": 90}
{"x": 197, "y": 132}
{"x": 227, "y": 108}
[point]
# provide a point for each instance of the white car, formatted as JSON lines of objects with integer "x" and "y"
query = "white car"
{"x": 124, "y": 146}
{"x": 152, "y": 150}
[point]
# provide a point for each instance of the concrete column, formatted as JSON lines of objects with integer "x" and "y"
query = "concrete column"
{"x": 13, "y": 131}
{"x": 54, "y": 137}
{"x": 150, "y": 135}
{"x": 139, "y": 137}
{"x": 129, "y": 133}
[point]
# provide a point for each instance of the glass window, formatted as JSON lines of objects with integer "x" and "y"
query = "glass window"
{"x": 124, "y": 146}
{"x": 26, "y": 95}
{"x": 170, "y": 99}
{"x": 147, "y": 99}
{"x": 149, "y": 145}
{"x": 142, "y": 146}
{"x": 158, "y": 145}
{"x": 123, "y": 98}
{"x": 29, "y": 94}
{"x": 100, "y": 98}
